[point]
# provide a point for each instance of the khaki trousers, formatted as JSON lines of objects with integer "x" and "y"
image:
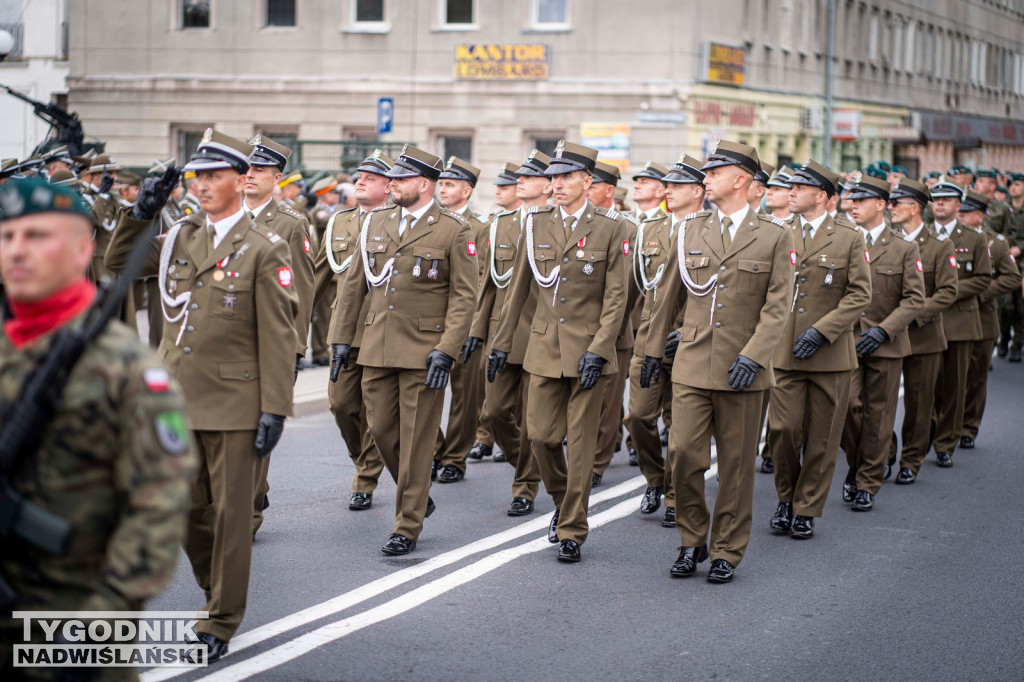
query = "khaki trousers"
{"x": 920, "y": 374}
{"x": 806, "y": 409}
{"x": 610, "y": 430}
{"x": 321, "y": 324}
{"x": 645, "y": 405}
{"x": 502, "y": 415}
{"x": 403, "y": 416}
{"x": 219, "y": 539}
{"x": 951, "y": 396}
{"x": 977, "y": 386}
{"x": 464, "y": 428}
{"x": 557, "y": 408}
{"x": 345, "y": 398}
{"x": 732, "y": 417}
{"x": 867, "y": 433}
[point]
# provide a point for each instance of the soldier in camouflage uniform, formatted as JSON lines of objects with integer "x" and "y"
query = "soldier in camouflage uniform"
{"x": 116, "y": 459}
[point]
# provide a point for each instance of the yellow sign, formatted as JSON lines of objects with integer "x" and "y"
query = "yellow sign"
{"x": 725, "y": 64}
{"x": 611, "y": 140}
{"x": 501, "y": 62}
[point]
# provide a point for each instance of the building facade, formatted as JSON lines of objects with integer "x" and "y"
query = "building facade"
{"x": 925, "y": 83}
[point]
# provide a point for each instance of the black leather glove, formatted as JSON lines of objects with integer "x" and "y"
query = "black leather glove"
{"x": 153, "y": 194}
{"x": 808, "y": 343}
{"x": 671, "y": 345}
{"x": 268, "y": 432}
{"x": 590, "y": 369}
{"x": 298, "y": 366}
{"x": 472, "y": 343}
{"x": 650, "y": 371}
{"x": 871, "y": 340}
{"x": 106, "y": 182}
{"x": 495, "y": 363}
{"x": 742, "y": 372}
{"x": 439, "y": 366}
{"x": 339, "y": 359}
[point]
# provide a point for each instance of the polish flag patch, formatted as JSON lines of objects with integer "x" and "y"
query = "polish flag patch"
{"x": 867, "y": 257}
{"x": 284, "y": 277}
{"x": 306, "y": 246}
{"x": 792, "y": 258}
{"x": 920, "y": 268}
{"x": 471, "y": 248}
{"x": 952, "y": 261}
{"x": 625, "y": 247}
{"x": 157, "y": 380}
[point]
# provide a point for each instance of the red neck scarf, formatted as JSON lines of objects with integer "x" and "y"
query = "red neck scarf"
{"x": 32, "y": 320}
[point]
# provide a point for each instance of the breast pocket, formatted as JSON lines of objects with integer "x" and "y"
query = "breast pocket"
{"x": 340, "y": 249}
{"x": 699, "y": 269}
{"x": 431, "y": 259}
{"x": 232, "y": 298}
{"x": 179, "y": 278}
{"x": 593, "y": 264}
{"x": 546, "y": 260}
{"x": 754, "y": 276}
{"x": 889, "y": 279}
{"x": 833, "y": 273}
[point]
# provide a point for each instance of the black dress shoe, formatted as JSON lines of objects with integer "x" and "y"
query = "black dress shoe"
{"x": 1014, "y": 353}
{"x": 433, "y": 470}
{"x": 944, "y": 459}
{"x": 323, "y": 361}
{"x": 803, "y": 527}
{"x": 905, "y": 476}
{"x": 670, "y": 518}
{"x": 721, "y": 571}
{"x": 595, "y": 480}
{"x": 967, "y": 443}
{"x": 520, "y": 506}
{"x": 782, "y": 520}
{"x": 634, "y": 457}
{"x": 652, "y": 500}
{"x": 266, "y": 500}
{"x": 215, "y": 648}
{"x": 689, "y": 557}
{"x": 618, "y": 447}
{"x": 664, "y": 437}
{"x": 398, "y": 545}
{"x": 850, "y": 486}
{"x": 767, "y": 465}
{"x": 499, "y": 456}
{"x": 360, "y": 501}
{"x": 553, "y": 528}
{"x": 479, "y": 451}
{"x": 430, "y": 507}
{"x": 889, "y": 464}
{"x": 863, "y": 501}
{"x": 450, "y": 473}
{"x": 569, "y": 552}
{"x": 1003, "y": 347}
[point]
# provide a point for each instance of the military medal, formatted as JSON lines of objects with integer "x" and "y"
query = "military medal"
{"x": 432, "y": 272}
{"x": 172, "y": 286}
{"x": 969, "y": 266}
{"x": 588, "y": 269}
{"x": 229, "y": 300}
{"x": 218, "y": 276}
{"x": 416, "y": 268}
{"x": 580, "y": 244}
{"x": 828, "y": 277}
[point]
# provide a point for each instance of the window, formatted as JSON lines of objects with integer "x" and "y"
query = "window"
{"x": 549, "y": 14}
{"x": 367, "y": 11}
{"x": 195, "y": 13}
{"x": 455, "y": 144}
{"x": 544, "y": 142}
{"x": 458, "y": 13}
{"x": 281, "y": 12}
{"x": 187, "y": 138}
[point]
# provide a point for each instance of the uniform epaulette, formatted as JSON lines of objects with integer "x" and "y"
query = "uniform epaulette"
{"x": 454, "y": 214}
{"x": 777, "y": 221}
{"x": 500, "y": 214}
{"x": 656, "y": 218}
{"x": 538, "y": 209}
{"x": 696, "y": 214}
{"x": 1000, "y": 237}
{"x": 385, "y": 207}
{"x": 289, "y": 211}
{"x": 845, "y": 223}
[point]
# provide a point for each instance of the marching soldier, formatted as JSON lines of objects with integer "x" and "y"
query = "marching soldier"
{"x": 813, "y": 362}
{"x": 325, "y": 192}
{"x": 997, "y": 216}
{"x": 654, "y": 241}
{"x": 926, "y": 334}
{"x": 507, "y": 394}
{"x": 1011, "y": 306}
{"x": 609, "y": 434}
{"x": 961, "y": 321}
{"x": 266, "y": 166}
{"x": 418, "y": 270}
{"x": 730, "y": 271}
{"x": 114, "y": 460}
{"x": 897, "y": 286}
{"x": 228, "y": 296}
{"x": 464, "y": 437}
{"x": 1005, "y": 279}
{"x": 339, "y": 254}
{"x": 649, "y": 191}
{"x": 575, "y": 259}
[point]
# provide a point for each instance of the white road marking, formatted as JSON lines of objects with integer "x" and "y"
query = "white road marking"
{"x": 311, "y": 641}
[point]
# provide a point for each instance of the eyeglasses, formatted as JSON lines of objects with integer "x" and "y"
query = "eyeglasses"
{"x": 897, "y": 202}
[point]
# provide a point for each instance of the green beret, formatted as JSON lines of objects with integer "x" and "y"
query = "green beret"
{"x": 884, "y": 165}
{"x": 1016, "y": 177}
{"x": 24, "y": 196}
{"x": 985, "y": 173}
{"x": 875, "y": 172}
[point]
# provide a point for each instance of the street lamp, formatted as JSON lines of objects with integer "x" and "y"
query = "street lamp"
{"x": 6, "y": 44}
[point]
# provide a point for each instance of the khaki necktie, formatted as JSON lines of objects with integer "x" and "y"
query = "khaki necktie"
{"x": 808, "y": 236}
{"x": 868, "y": 240}
{"x": 212, "y": 236}
{"x": 726, "y": 235}
{"x": 404, "y": 225}
{"x": 569, "y": 222}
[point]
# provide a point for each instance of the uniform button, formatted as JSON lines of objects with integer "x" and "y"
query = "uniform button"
{"x": 187, "y": 350}
{"x": 565, "y": 260}
{"x": 561, "y": 300}
{"x": 755, "y": 268}
{"x": 863, "y": 314}
{"x": 231, "y": 286}
{"x": 803, "y": 266}
{"x": 719, "y": 306}
{"x": 392, "y": 290}
{"x": 718, "y": 324}
{"x": 802, "y": 294}
{"x": 199, "y": 285}
{"x": 800, "y": 310}
{"x": 561, "y": 320}
{"x": 391, "y": 307}
{"x": 890, "y": 272}
{"x": 565, "y": 279}
{"x": 246, "y": 375}
{"x": 802, "y": 280}
{"x": 722, "y": 268}
{"x": 190, "y": 329}
{"x": 194, "y": 306}
{"x": 721, "y": 286}
{"x": 398, "y": 254}
{"x": 438, "y": 326}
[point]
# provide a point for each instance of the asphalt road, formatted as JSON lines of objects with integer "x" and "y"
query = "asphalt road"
{"x": 926, "y": 586}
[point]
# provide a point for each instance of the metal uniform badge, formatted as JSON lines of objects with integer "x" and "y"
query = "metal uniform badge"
{"x": 242, "y": 249}
{"x": 588, "y": 269}
{"x": 229, "y": 300}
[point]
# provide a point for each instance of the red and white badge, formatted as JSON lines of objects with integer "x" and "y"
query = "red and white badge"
{"x": 157, "y": 379}
{"x": 792, "y": 257}
{"x": 952, "y": 261}
{"x": 223, "y": 263}
{"x": 867, "y": 257}
{"x": 471, "y": 248}
{"x": 306, "y": 246}
{"x": 920, "y": 268}
{"x": 284, "y": 277}
{"x": 625, "y": 247}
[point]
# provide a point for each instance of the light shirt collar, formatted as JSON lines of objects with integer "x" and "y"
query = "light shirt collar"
{"x": 814, "y": 224}
{"x": 737, "y": 218}
{"x": 875, "y": 232}
{"x": 223, "y": 226}
{"x": 948, "y": 227}
{"x": 913, "y": 235}
{"x": 418, "y": 213}
{"x": 259, "y": 209}
{"x": 577, "y": 215}
{"x": 652, "y": 212}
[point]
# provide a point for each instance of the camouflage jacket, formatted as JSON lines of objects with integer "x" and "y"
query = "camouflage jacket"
{"x": 116, "y": 461}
